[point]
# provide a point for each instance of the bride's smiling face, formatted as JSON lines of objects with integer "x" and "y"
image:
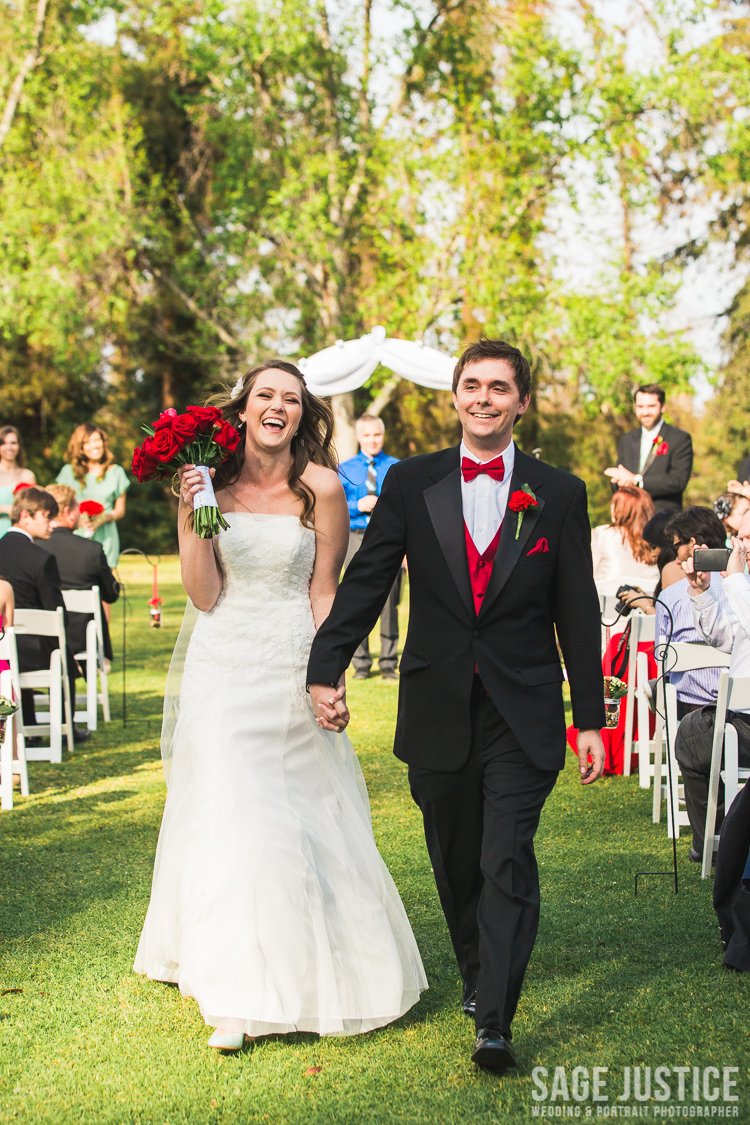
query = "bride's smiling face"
{"x": 273, "y": 410}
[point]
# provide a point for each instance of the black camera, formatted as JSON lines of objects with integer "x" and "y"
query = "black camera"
{"x": 620, "y": 606}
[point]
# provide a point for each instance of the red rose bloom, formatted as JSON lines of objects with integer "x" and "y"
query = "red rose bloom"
{"x": 226, "y": 437}
{"x": 185, "y": 427}
{"x": 145, "y": 465}
{"x": 661, "y": 449}
{"x": 520, "y": 501}
{"x": 166, "y": 419}
{"x": 205, "y": 416}
{"x": 165, "y": 445}
{"x": 91, "y": 508}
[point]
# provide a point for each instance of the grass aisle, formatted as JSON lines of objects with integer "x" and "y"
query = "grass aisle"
{"x": 614, "y": 981}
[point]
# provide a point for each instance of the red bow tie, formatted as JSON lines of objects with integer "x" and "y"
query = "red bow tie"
{"x": 494, "y": 468}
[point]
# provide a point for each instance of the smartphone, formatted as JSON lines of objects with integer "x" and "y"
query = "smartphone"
{"x": 715, "y": 559}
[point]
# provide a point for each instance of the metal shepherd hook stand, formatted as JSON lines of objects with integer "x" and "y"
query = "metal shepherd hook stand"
{"x": 154, "y": 608}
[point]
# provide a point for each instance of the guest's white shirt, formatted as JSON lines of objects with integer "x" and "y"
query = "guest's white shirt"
{"x": 647, "y": 441}
{"x": 484, "y": 499}
{"x": 21, "y": 531}
{"x": 727, "y": 628}
{"x": 614, "y": 559}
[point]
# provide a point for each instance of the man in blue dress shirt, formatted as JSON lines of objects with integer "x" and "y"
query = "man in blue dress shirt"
{"x": 362, "y": 477}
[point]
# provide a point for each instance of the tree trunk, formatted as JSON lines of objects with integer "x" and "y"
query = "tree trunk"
{"x": 344, "y": 433}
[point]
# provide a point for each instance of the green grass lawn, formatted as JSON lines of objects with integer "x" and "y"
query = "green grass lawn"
{"x": 615, "y": 981}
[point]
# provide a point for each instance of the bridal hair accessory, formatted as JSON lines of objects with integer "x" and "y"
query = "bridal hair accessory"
{"x": 201, "y": 437}
{"x": 519, "y": 502}
{"x": 236, "y": 390}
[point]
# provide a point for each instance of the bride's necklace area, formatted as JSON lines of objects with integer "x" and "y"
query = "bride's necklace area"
{"x": 250, "y": 510}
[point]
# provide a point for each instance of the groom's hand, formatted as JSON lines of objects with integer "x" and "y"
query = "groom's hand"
{"x": 590, "y": 744}
{"x": 329, "y": 704}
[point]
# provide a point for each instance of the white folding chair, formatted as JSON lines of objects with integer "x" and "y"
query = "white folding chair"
{"x": 46, "y": 623}
{"x": 681, "y": 656}
{"x": 734, "y": 695}
{"x": 641, "y": 631}
{"x": 89, "y": 601}
{"x": 14, "y": 740}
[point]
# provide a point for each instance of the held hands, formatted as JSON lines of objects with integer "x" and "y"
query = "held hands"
{"x": 590, "y": 743}
{"x": 330, "y": 706}
{"x": 191, "y": 483}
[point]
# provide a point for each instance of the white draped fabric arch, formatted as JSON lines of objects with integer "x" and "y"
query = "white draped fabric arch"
{"x": 346, "y": 366}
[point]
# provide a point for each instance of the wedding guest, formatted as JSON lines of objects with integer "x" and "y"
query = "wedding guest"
{"x": 743, "y": 472}
{"x": 362, "y": 477}
{"x": 670, "y": 570}
{"x": 657, "y": 457}
{"x": 81, "y": 563}
{"x": 92, "y": 472}
{"x": 724, "y": 622}
{"x": 730, "y": 507}
{"x": 688, "y": 529}
{"x": 13, "y": 472}
{"x": 618, "y": 548}
{"x": 32, "y": 572}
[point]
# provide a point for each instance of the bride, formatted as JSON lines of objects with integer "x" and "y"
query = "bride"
{"x": 270, "y": 904}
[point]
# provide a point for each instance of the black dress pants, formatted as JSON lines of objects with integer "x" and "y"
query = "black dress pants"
{"x": 693, "y": 747}
{"x": 479, "y": 826}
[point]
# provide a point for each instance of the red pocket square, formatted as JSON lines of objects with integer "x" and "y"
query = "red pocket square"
{"x": 540, "y": 548}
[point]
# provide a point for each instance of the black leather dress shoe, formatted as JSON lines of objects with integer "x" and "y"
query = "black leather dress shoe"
{"x": 81, "y": 734}
{"x": 469, "y": 1004}
{"x": 492, "y": 1051}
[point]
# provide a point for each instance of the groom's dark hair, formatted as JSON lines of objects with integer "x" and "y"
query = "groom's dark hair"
{"x": 496, "y": 349}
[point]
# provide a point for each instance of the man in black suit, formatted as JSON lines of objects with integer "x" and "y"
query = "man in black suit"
{"x": 81, "y": 563}
{"x": 481, "y": 720}
{"x": 33, "y": 574}
{"x": 657, "y": 457}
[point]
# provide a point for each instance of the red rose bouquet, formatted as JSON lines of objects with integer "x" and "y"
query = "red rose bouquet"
{"x": 94, "y": 510}
{"x": 201, "y": 437}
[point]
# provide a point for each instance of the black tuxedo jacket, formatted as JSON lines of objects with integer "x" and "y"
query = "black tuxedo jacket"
{"x": 511, "y": 640}
{"x": 664, "y": 477}
{"x": 82, "y": 564}
{"x": 33, "y": 574}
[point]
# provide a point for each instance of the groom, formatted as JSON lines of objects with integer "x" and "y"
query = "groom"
{"x": 499, "y": 554}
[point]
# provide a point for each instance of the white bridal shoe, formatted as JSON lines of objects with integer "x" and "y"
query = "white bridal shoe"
{"x": 227, "y": 1040}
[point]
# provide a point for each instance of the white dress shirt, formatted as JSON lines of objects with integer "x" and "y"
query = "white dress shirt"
{"x": 647, "y": 441}
{"x": 727, "y": 627}
{"x": 484, "y": 500}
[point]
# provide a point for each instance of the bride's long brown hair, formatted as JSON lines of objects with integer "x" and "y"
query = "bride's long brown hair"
{"x": 313, "y": 441}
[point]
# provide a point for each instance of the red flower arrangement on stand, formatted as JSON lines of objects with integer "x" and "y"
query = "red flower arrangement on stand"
{"x": 200, "y": 437}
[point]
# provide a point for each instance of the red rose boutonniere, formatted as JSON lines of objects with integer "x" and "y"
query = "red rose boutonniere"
{"x": 661, "y": 449}
{"x": 519, "y": 502}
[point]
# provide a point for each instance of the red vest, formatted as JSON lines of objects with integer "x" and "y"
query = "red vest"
{"x": 480, "y": 566}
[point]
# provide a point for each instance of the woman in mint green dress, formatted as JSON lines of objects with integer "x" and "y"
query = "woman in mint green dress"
{"x": 13, "y": 472}
{"x": 92, "y": 472}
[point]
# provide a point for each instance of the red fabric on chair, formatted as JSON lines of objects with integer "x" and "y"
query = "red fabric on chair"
{"x": 614, "y": 738}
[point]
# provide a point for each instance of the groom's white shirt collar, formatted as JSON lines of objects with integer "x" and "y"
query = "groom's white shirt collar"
{"x": 484, "y": 500}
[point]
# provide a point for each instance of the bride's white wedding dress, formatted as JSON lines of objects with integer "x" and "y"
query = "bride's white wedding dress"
{"x": 270, "y": 904}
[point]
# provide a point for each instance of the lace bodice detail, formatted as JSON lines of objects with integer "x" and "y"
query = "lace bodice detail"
{"x": 262, "y": 624}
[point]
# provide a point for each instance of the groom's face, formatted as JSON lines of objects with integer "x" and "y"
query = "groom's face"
{"x": 488, "y": 402}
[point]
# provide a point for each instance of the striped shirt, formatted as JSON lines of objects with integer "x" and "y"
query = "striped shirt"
{"x": 702, "y": 685}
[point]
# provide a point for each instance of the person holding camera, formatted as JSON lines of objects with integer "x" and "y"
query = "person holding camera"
{"x": 674, "y": 616}
{"x": 724, "y": 622}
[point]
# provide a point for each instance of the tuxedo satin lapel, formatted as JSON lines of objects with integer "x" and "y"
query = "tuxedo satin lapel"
{"x": 444, "y": 504}
{"x": 652, "y": 452}
{"x": 510, "y": 549}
